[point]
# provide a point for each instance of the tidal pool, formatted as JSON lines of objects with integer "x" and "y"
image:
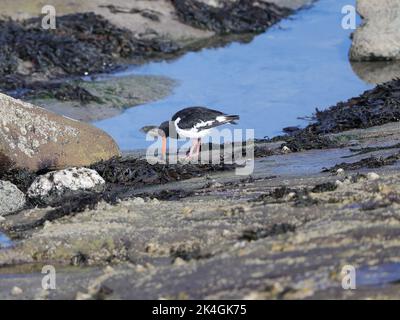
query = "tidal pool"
{"x": 285, "y": 73}
{"x": 4, "y": 241}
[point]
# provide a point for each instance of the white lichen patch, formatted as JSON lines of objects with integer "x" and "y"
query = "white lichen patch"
{"x": 24, "y": 128}
{"x": 56, "y": 184}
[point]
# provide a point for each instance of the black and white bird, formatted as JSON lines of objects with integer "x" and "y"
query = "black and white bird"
{"x": 194, "y": 123}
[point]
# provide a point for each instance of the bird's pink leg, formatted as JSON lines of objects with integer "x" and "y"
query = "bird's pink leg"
{"x": 192, "y": 148}
{"x": 198, "y": 145}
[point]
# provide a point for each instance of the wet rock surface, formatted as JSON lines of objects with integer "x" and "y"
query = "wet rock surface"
{"x": 187, "y": 231}
{"x": 285, "y": 232}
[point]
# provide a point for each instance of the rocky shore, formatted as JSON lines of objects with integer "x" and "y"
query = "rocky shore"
{"x": 117, "y": 227}
{"x": 285, "y": 231}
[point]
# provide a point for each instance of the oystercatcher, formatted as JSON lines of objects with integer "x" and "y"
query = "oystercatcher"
{"x": 194, "y": 123}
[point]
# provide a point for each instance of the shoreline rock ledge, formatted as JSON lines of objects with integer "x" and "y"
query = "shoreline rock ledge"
{"x": 378, "y": 37}
{"x": 35, "y": 139}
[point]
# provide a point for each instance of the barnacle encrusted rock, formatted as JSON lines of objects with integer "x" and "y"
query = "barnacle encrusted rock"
{"x": 11, "y": 198}
{"x": 34, "y": 138}
{"x": 55, "y": 185}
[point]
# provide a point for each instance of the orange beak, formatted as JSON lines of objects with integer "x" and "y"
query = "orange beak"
{"x": 164, "y": 147}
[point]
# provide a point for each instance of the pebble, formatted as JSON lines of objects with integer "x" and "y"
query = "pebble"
{"x": 179, "y": 262}
{"x": 340, "y": 172}
{"x": 187, "y": 211}
{"x": 373, "y": 176}
{"x": 291, "y": 196}
{"x": 16, "y": 291}
{"x": 339, "y": 183}
{"x": 108, "y": 269}
{"x": 285, "y": 149}
{"x": 83, "y": 296}
{"x": 138, "y": 200}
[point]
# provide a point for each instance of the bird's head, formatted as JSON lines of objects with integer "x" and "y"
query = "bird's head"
{"x": 163, "y": 131}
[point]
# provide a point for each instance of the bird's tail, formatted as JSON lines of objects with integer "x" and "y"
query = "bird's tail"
{"x": 232, "y": 119}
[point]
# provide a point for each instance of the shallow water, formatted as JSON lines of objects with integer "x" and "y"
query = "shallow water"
{"x": 378, "y": 275}
{"x": 296, "y": 66}
{"x": 4, "y": 241}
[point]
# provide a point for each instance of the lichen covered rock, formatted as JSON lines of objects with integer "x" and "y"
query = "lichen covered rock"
{"x": 54, "y": 186}
{"x": 11, "y": 198}
{"x": 33, "y": 138}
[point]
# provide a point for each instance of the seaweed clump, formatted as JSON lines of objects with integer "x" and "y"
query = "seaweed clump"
{"x": 56, "y": 90}
{"x": 371, "y": 163}
{"x": 260, "y": 233}
{"x": 82, "y": 44}
{"x": 374, "y": 107}
{"x": 139, "y": 172}
{"x": 242, "y": 16}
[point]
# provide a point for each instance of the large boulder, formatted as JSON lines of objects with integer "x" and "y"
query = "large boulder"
{"x": 11, "y": 198}
{"x": 378, "y": 38}
{"x": 54, "y": 186}
{"x": 34, "y": 138}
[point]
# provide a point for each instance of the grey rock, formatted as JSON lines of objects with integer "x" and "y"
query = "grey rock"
{"x": 378, "y": 38}
{"x": 54, "y": 186}
{"x": 11, "y": 198}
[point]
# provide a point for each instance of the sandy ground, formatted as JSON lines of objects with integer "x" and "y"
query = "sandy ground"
{"x": 229, "y": 237}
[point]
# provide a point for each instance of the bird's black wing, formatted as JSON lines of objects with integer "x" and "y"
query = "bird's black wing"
{"x": 192, "y": 116}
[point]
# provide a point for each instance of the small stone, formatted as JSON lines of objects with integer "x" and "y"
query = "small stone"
{"x": 285, "y": 149}
{"x": 47, "y": 224}
{"x": 179, "y": 262}
{"x": 338, "y": 183}
{"x": 83, "y": 296}
{"x": 373, "y": 176}
{"x": 138, "y": 201}
{"x": 16, "y": 291}
{"x": 340, "y": 172}
{"x": 187, "y": 211}
{"x": 291, "y": 196}
{"x": 151, "y": 248}
{"x": 108, "y": 269}
{"x": 140, "y": 268}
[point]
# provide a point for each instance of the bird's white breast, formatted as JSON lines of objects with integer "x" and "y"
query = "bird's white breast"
{"x": 194, "y": 132}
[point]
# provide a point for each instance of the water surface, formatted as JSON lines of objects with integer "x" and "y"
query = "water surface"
{"x": 296, "y": 66}
{"x": 4, "y": 241}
